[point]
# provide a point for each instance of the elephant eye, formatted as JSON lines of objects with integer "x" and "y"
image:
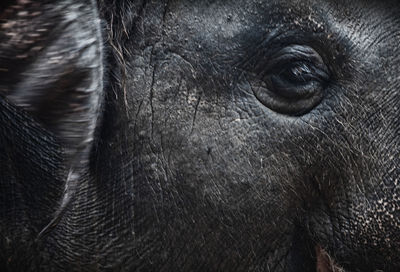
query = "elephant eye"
{"x": 294, "y": 81}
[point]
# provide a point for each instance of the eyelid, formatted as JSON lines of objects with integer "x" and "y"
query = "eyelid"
{"x": 290, "y": 54}
{"x": 317, "y": 73}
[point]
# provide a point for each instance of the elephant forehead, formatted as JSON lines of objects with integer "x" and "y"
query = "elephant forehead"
{"x": 362, "y": 23}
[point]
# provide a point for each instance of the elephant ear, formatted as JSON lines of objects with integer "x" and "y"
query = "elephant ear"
{"x": 51, "y": 67}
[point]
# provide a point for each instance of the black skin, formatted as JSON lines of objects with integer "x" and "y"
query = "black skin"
{"x": 189, "y": 135}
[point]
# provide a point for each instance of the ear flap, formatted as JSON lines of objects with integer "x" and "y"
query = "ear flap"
{"x": 51, "y": 66}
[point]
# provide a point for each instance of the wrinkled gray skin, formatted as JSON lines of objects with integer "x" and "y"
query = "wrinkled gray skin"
{"x": 199, "y": 135}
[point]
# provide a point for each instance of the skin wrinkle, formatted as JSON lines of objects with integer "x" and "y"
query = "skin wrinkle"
{"x": 358, "y": 34}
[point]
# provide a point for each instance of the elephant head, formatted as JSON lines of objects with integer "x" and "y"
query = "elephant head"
{"x": 189, "y": 135}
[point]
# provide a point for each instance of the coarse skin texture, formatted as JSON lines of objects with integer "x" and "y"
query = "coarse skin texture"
{"x": 200, "y": 135}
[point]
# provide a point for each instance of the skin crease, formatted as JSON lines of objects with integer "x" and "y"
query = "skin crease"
{"x": 144, "y": 141}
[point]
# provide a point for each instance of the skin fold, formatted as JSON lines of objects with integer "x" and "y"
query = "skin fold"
{"x": 189, "y": 135}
